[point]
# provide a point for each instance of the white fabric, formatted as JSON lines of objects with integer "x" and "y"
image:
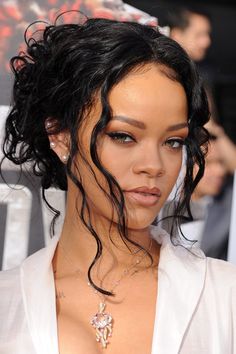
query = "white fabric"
{"x": 195, "y": 312}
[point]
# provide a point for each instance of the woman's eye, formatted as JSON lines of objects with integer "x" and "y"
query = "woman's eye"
{"x": 175, "y": 143}
{"x": 122, "y": 138}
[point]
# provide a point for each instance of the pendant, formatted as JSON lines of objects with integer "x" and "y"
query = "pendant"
{"x": 103, "y": 323}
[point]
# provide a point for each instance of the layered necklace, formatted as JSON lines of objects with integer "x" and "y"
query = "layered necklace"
{"x": 103, "y": 321}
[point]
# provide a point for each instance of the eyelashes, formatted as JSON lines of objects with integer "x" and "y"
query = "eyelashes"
{"x": 120, "y": 137}
{"x": 125, "y": 138}
{"x": 175, "y": 143}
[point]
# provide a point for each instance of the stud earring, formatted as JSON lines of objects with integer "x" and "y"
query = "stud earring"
{"x": 65, "y": 158}
{"x": 52, "y": 145}
{"x": 48, "y": 125}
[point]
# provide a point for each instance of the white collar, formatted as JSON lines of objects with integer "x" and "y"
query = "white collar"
{"x": 39, "y": 298}
{"x": 181, "y": 277}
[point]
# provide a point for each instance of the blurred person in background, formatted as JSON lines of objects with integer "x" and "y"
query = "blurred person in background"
{"x": 207, "y": 189}
{"x": 212, "y": 200}
{"x": 191, "y": 28}
{"x": 211, "y": 204}
{"x": 215, "y": 234}
{"x": 226, "y": 147}
{"x": 214, "y": 175}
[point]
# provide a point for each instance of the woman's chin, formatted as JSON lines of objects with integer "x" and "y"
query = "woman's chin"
{"x": 140, "y": 222}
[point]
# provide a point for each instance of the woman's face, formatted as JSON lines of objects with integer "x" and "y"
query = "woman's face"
{"x": 141, "y": 146}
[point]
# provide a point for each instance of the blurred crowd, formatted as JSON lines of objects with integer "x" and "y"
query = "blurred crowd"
{"x": 212, "y": 200}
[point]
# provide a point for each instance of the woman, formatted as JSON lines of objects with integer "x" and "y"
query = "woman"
{"x": 103, "y": 111}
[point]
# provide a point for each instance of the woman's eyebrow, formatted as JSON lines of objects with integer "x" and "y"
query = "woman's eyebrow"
{"x": 130, "y": 121}
{"x": 177, "y": 126}
{"x": 142, "y": 125}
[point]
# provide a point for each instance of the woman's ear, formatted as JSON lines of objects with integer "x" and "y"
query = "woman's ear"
{"x": 59, "y": 142}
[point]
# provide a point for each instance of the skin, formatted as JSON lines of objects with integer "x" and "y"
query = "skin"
{"x": 195, "y": 39}
{"x": 215, "y": 172}
{"x": 148, "y": 153}
{"x": 225, "y": 147}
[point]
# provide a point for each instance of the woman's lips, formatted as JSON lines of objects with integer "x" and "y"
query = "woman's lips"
{"x": 143, "y": 198}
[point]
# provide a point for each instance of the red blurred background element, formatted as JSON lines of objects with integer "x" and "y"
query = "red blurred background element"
{"x": 17, "y": 15}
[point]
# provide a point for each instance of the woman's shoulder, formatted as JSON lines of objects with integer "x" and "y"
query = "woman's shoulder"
{"x": 222, "y": 273}
{"x": 186, "y": 258}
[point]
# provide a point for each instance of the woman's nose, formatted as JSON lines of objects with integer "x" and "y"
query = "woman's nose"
{"x": 150, "y": 162}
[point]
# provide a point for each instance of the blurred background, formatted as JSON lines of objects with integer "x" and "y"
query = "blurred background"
{"x": 206, "y": 29}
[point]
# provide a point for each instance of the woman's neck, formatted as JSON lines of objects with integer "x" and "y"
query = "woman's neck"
{"x": 82, "y": 245}
{"x": 81, "y": 248}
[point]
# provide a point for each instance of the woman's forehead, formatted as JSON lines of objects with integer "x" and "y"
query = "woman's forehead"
{"x": 145, "y": 94}
{"x": 148, "y": 93}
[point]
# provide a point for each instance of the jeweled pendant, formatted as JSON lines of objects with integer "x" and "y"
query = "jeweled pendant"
{"x": 103, "y": 323}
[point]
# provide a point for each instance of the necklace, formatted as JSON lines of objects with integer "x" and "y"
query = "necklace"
{"x": 103, "y": 321}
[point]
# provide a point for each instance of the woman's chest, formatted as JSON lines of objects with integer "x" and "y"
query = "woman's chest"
{"x": 133, "y": 316}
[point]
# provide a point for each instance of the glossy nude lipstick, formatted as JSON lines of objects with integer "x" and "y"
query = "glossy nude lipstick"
{"x": 144, "y": 196}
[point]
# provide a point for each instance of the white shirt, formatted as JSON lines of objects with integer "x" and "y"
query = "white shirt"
{"x": 195, "y": 311}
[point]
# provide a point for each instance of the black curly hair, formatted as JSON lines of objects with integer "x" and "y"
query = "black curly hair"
{"x": 58, "y": 76}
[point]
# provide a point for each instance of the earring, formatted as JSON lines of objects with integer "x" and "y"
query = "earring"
{"x": 52, "y": 145}
{"x": 48, "y": 125}
{"x": 64, "y": 158}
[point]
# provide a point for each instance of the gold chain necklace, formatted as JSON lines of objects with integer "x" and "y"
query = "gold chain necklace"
{"x": 103, "y": 321}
